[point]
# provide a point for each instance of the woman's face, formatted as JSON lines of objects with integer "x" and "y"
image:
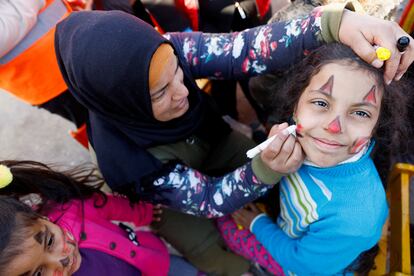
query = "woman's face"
{"x": 169, "y": 96}
{"x": 337, "y": 113}
{"x": 48, "y": 251}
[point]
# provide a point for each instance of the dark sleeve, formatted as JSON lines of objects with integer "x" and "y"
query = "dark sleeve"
{"x": 95, "y": 262}
{"x": 251, "y": 52}
{"x": 192, "y": 192}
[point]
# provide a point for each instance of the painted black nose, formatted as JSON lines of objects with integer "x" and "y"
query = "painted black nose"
{"x": 65, "y": 262}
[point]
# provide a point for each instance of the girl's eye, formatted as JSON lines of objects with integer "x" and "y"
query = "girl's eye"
{"x": 38, "y": 272}
{"x": 362, "y": 114}
{"x": 50, "y": 241}
{"x": 320, "y": 103}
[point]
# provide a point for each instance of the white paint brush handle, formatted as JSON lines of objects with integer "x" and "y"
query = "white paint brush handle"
{"x": 259, "y": 148}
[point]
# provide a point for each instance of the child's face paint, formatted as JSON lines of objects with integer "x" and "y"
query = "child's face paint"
{"x": 334, "y": 113}
{"x": 359, "y": 144}
{"x": 335, "y": 126}
{"x": 370, "y": 97}
{"x": 328, "y": 86}
{"x": 55, "y": 249}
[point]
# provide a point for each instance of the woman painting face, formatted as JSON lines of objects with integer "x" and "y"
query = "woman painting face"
{"x": 337, "y": 113}
{"x": 169, "y": 96}
{"x": 48, "y": 251}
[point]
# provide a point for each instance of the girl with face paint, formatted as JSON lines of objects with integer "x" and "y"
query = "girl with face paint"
{"x": 334, "y": 207}
{"x": 60, "y": 224}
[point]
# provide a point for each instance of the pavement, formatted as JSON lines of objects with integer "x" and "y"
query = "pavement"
{"x": 29, "y": 133}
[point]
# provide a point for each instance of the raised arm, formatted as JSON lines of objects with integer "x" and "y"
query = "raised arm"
{"x": 17, "y": 18}
{"x": 254, "y": 51}
{"x": 278, "y": 45}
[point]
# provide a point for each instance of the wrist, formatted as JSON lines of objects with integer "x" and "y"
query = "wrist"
{"x": 263, "y": 172}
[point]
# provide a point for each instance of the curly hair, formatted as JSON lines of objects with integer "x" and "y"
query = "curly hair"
{"x": 392, "y": 130}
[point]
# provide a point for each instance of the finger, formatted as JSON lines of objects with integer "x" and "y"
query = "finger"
{"x": 395, "y": 65}
{"x": 296, "y": 159}
{"x": 277, "y": 128}
{"x": 287, "y": 149}
{"x": 406, "y": 60}
{"x": 364, "y": 50}
{"x": 272, "y": 151}
{"x": 236, "y": 218}
{"x": 253, "y": 207}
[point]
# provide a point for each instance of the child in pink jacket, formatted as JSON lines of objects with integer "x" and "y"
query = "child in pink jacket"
{"x": 66, "y": 222}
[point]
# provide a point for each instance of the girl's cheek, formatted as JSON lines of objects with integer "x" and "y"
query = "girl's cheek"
{"x": 358, "y": 144}
{"x": 58, "y": 273}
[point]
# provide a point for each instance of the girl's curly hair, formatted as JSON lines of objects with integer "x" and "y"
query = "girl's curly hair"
{"x": 283, "y": 91}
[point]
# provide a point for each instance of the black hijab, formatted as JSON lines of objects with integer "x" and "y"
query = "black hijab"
{"x": 104, "y": 58}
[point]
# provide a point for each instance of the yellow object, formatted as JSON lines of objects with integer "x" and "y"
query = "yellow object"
{"x": 395, "y": 239}
{"x": 6, "y": 176}
{"x": 383, "y": 53}
{"x": 240, "y": 227}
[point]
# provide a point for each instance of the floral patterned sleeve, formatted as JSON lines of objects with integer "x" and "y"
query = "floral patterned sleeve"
{"x": 192, "y": 192}
{"x": 251, "y": 52}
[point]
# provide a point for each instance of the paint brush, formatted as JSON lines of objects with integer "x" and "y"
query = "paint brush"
{"x": 259, "y": 148}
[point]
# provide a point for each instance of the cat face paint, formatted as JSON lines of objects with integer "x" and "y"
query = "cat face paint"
{"x": 333, "y": 114}
{"x": 55, "y": 249}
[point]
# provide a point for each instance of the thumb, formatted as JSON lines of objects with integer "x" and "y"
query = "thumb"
{"x": 366, "y": 51}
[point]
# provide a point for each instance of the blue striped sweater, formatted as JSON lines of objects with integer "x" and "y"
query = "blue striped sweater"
{"x": 328, "y": 217}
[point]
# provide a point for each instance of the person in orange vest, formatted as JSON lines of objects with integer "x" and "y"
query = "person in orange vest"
{"x": 28, "y": 65}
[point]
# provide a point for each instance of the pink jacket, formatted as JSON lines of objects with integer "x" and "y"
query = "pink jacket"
{"x": 150, "y": 257}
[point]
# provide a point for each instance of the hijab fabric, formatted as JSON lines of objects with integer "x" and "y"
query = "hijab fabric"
{"x": 104, "y": 58}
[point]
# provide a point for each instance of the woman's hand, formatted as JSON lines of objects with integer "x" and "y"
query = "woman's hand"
{"x": 361, "y": 32}
{"x": 284, "y": 154}
{"x": 245, "y": 215}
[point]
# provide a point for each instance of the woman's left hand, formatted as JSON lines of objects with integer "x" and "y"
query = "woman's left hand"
{"x": 245, "y": 215}
{"x": 361, "y": 32}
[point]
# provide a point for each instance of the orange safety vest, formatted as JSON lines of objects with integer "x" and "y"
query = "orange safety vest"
{"x": 30, "y": 70}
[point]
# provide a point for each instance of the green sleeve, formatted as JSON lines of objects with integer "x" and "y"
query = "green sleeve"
{"x": 331, "y": 19}
{"x": 264, "y": 173}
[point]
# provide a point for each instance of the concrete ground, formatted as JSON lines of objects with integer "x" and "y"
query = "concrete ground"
{"x": 30, "y": 133}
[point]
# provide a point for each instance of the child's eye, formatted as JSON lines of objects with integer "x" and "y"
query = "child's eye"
{"x": 362, "y": 114}
{"x": 50, "y": 241}
{"x": 38, "y": 272}
{"x": 320, "y": 103}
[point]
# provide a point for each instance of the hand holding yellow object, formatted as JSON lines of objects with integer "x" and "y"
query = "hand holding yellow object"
{"x": 383, "y": 53}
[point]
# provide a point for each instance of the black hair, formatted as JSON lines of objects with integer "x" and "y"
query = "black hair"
{"x": 33, "y": 180}
{"x": 283, "y": 90}
{"x": 30, "y": 177}
{"x": 16, "y": 219}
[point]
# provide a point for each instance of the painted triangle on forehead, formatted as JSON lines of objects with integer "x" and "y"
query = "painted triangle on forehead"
{"x": 370, "y": 97}
{"x": 327, "y": 87}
